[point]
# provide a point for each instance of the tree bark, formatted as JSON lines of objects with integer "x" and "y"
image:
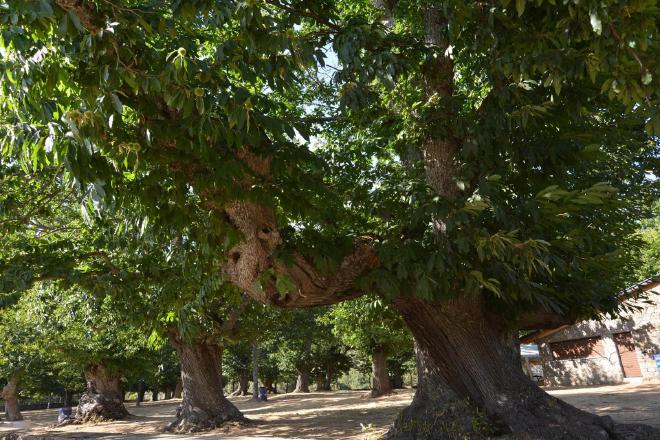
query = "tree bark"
{"x": 471, "y": 361}
{"x": 178, "y": 389}
{"x": 381, "y": 380}
{"x": 10, "y": 396}
{"x": 204, "y": 404}
{"x": 243, "y": 382}
{"x": 302, "y": 383}
{"x": 103, "y": 399}
{"x": 154, "y": 396}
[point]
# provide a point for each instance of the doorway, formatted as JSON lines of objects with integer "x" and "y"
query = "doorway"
{"x": 625, "y": 347}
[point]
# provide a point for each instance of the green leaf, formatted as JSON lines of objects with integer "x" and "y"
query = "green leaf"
{"x": 520, "y": 7}
{"x": 199, "y": 103}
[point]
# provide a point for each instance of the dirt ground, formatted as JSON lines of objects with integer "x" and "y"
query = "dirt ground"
{"x": 328, "y": 415}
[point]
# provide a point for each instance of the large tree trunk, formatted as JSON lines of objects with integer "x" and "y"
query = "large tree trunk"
{"x": 103, "y": 399}
{"x": 381, "y": 380}
{"x": 433, "y": 397}
{"x": 302, "y": 383}
{"x": 10, "y": 396}
{"x": 204, "y": 404}
{"x": 470, "y": 358}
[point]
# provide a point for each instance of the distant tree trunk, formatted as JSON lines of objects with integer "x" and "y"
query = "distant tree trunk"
{"x": 243, "y": 382}
{"x": 302, "y": 383}
{"x": 268, "y": 383}
{"x": 68, "y": 398}
{"x": 329, "y": 377}
{"x": 381, "y": 380}
{"x": 154, "y": 396}
{"x": 396, "y": 379}
{"x": 204, "y": 404}
{"x": 103, "y": 399}
{"x": 140, "y": 392}
{"x": 10, "y": 395}
{"x": 255, "y": 371}
{"x": 323, "y": 381}
{"x": 168, "y": 395}
{"x": 178, "y": 389}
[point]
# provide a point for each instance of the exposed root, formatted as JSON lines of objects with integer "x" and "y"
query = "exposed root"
{"x": 190, "y": 419}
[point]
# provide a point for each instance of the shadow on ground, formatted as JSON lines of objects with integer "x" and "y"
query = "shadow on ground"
{"x": 327, "y": 415}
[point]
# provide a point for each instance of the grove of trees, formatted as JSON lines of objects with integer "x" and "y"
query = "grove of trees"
{"x": 276, "y": 191}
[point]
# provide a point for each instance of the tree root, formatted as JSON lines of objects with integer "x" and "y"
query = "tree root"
{"x": 190, "y": 419}
{"x": 95, "y": 408}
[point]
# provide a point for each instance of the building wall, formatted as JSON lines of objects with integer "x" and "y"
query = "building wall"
{"x": 604, "y": 367}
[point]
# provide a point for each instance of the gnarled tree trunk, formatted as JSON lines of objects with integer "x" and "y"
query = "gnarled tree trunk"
{"x": 103, "y": 399}
{"x": 204, "y": 404}
{"x": 10, "y": 396}
{"x": 381, "y": 380}
{"x": 302, "y": 383}
{"x": 472, "y": 359}
{"x": 436, "y": 411}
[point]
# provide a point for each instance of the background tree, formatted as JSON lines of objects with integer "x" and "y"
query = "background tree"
{"x": 370, "y": 327}
{"x": 650, "y": 258}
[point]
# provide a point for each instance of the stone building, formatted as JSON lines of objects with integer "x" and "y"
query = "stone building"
{"x": 611, "y": 351}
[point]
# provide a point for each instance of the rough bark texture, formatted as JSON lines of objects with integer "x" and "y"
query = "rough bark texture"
{"x": 254, "y": 255}
{"x": 10, "y": 396}
{"x": 436, "y": 412}
{"x": 204, "y": 405}
{"x": 478, "y": 360}
{"x": 302, "y": 383}
{"x": 381, "y": 380}
{"x": 103, "y": 399}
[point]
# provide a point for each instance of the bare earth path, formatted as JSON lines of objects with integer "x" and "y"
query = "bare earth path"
{"x": 327, "y": 415}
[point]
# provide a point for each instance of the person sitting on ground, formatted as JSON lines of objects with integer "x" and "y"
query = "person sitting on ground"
{"x": 64, "y": 414}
